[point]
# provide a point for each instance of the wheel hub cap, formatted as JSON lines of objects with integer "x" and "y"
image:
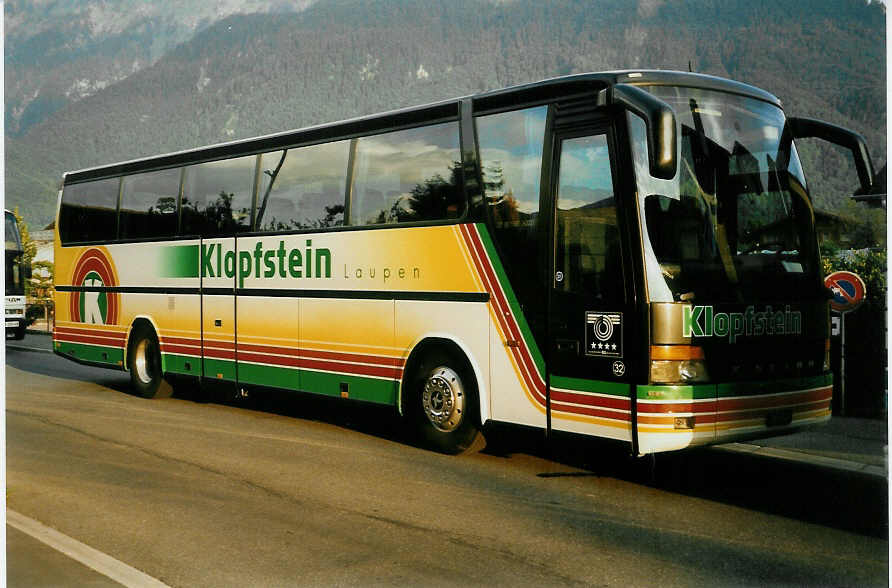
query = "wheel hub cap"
{"x": 443, "y": 399}
{"x": 141, "y": 362}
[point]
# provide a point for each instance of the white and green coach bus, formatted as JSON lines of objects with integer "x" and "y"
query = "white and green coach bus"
{"x": 628, "y": 255}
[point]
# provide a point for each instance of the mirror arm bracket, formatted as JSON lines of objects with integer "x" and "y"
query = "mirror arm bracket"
{"x": 659, "y": 118}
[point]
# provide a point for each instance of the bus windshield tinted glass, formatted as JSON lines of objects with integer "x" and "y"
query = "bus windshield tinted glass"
{"x": 736, "y": 222}
{"x": 13, "y": 239}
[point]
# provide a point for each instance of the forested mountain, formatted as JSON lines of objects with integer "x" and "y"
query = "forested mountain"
{"x": 251, "y": 74}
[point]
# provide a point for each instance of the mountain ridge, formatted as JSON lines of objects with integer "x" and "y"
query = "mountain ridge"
{"x": 250, "y": 75}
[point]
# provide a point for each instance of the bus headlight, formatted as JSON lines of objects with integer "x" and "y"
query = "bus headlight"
{"x": 677, "y": 364}
{"x": 688, "y": 371}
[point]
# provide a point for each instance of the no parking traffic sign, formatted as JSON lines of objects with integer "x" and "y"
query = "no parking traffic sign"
{"x": 848, "y": 291}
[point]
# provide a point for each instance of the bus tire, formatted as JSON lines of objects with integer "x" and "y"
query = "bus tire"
{"x": 19, "y": 333}
{"x": 444, "y": 404}
{"x": 144, "y": 363}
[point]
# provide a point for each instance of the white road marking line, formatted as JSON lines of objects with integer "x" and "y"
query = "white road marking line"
{"x": 96, "y": 560}
{"x": 13, "y": 346}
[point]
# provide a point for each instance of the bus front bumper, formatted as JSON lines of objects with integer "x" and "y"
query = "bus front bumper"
{"x": 675, "y": 417}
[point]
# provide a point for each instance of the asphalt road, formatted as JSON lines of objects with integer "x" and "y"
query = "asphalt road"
{"x": 302, "y": 491}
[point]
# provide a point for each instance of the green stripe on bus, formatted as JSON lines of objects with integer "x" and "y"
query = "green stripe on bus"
{"x": 697, "y": 392}
{"x": 219, "y": 369}
{"x": 358, "y": 387}
{"x": 596, "y": 386}
{"x": 176, "y": 364}
{"x": 93, "y": 353}
{"x": 328, "y": 384}
{"x": 179, "y": 261}
{"x": 502, "y": 277}
{"x": 773, "y": 387}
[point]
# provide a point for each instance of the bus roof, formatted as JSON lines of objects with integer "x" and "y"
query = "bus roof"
{"x": 507, "y": 98}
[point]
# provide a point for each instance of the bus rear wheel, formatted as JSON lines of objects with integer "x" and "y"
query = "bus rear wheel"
{"x": 445, "y": 404}
{"x": 144, "y": 363}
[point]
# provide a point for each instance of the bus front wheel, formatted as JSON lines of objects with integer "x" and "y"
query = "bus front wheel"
{"x": 445, "y": 404}
{"x": 144, "y": 363}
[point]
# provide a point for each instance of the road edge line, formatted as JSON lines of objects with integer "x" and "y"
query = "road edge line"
{"x": 23, "y": 348}
{"x": 92, "y": 558}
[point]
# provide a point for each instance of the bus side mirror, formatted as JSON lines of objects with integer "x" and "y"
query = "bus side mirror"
{"x": 804, "y": 128}
{"x": 661, "y": 130}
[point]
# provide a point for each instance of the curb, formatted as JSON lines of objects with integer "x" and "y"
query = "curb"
{"x": 874, "y": 471}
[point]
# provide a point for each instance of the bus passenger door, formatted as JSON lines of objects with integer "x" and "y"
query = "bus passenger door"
{"x": 589, "y": 314}
{"x": 219, "y": 269}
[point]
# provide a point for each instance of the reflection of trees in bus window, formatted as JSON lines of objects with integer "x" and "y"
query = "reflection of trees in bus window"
{"x": 217, "y": 197}
{"x": 511, "y": 159}
{"x": 408, "y": 176}
{"x": 587, "y": 241}
{"x": 303, "y": 188}
{"x": 511, "y": 156}
{"x": 149, "y": 204}
{"x": 89, "y": 211}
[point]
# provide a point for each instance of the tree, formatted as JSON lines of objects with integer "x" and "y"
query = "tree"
{"x": 28, "y": 243}
{"x": 42, "y": 291}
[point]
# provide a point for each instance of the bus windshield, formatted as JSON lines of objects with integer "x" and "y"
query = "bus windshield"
{"x": 736, "y": 222}
{"x": 14, "y": 280}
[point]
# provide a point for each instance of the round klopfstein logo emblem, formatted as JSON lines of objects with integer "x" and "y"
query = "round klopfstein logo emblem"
{"x": 93, "y": 302}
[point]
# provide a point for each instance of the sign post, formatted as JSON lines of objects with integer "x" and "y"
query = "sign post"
{"x": 848, "y": 293}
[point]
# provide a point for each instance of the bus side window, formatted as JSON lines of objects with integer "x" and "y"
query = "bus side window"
{"x": 89, "y": 211}
{"x": 587, "y": 251}
{"x": 305, "y": 190}
{"x": 217, "y": 197}
{"x": 408, "y": 176}
{"x": 511, "y": 159}
{"x": 149, "y": 204}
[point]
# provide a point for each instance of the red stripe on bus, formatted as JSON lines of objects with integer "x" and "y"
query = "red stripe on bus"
{"x": 737, "y": 404}
{"x": 90, "y": 332}
{"x": 215, "y": 344}
{"x": 764, "y": 402}
{"x": 180, "y": 349}
{"x": 272, "y": 351}
{"x": 758, "y": 412}
{"x": 505, "y": 308}
{"x": 594, "y": 412}
{"x": 219, "y": 353}
{"x": 90, "y": 340}
{"x": 590, "y": 400}
{"x": 503, "y": 313}
{"x": 297, "y": 362}
{"x": 707, "y": 406}
{"x": 716, "y": 418}
{"x": 326, "y": 355}
{"x": 181, "y": 340}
